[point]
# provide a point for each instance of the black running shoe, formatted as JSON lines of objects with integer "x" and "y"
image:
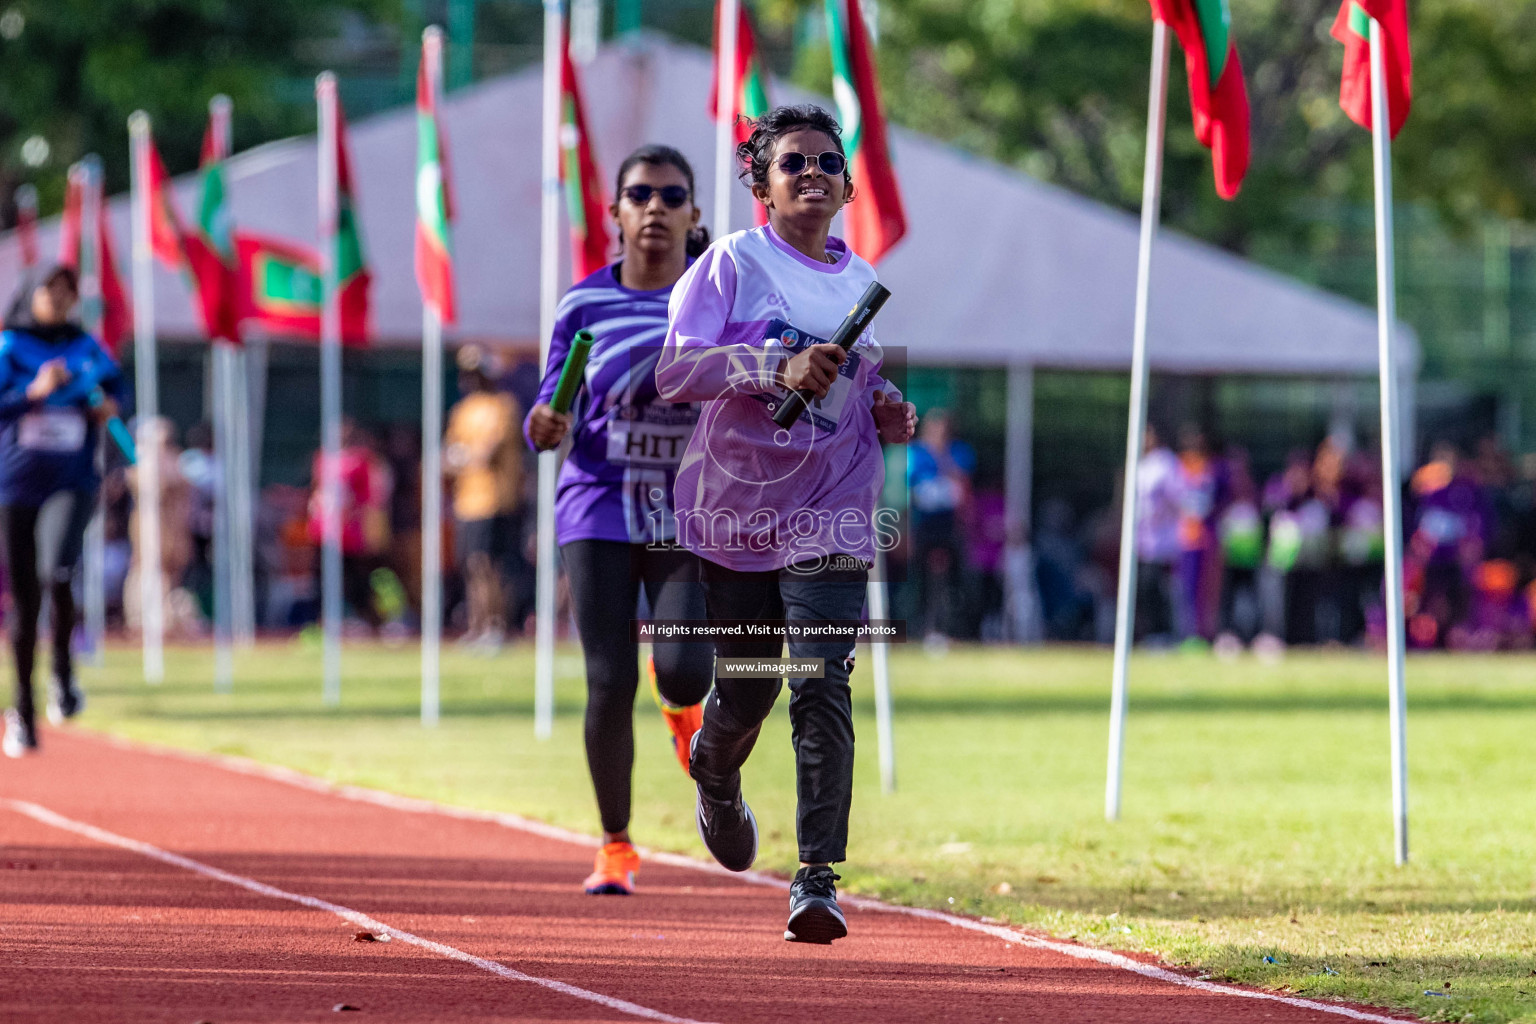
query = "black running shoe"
{"x": 814, "y": 915}
{"x": 65, "y": 700}
{"x": 727, "y": 827}
{"x": 20, "y": 737}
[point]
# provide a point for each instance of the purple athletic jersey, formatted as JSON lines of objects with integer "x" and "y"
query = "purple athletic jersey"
{"x": 749, "y": 496}
{"x": 626, "y": 442}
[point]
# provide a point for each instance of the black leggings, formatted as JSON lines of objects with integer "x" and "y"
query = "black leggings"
{"x": 606, "y": 577}
{"x": 43, "y": 543}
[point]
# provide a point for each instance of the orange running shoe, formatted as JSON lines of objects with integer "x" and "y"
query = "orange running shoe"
{"x": 613, "y": 873}
{"x": 682, "y": 722}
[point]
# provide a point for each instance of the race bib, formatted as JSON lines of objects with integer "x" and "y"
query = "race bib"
{"x": 52, "y": 430}
{"x": 653, "y": 434}
{"x": 823, "y": 413}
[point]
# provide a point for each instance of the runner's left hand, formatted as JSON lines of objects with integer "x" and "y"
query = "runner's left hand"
{"x": 896, "y": 422}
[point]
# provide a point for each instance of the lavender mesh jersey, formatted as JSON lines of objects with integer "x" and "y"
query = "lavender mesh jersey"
{"x": 750, "y": 496}
{"x": 626, "y": 442}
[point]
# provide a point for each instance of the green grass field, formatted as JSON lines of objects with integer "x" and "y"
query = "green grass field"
{"x": 1256, "y": 817}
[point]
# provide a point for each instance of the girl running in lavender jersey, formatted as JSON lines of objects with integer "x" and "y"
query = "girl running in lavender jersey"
{"x": 784, "y": 522}
{"x": 613, "y": 509}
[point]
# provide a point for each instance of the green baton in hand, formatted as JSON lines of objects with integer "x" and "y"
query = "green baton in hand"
{"x": 570, "y": 374}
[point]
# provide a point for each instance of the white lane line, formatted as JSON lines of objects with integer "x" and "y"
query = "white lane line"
{"x": 42, "y": 814}
{"x": 416, "y": 805}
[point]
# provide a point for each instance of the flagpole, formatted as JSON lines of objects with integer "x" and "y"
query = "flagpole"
{"x": 549, "y": 461}
{"x": 147, "y": 399}
{"x": 432, "y": 457}
{"x": 223, "y": 425}
{"x": 236, "y": 460}
{"x": 1125, "y": 598}
{"x": 1391, "y": 491}
{"x": 880, "y": 664}
{"x": 331, "y": 608}
{"x": 725, "y": 104}
{"x": 89, "y": 175}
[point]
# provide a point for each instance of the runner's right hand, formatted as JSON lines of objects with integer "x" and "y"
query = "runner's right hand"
{"x": 813, "y": 370}
{"x": 547, "y": 428}
{"x": 51, "y": 376}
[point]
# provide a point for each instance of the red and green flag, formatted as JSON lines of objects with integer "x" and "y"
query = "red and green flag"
{"x": 166, "y": 235}
{"x": 751, "y": 99}
{"x": 583, "y": 187}
{"x": 875, "y": 220}
{"x": 1353, "y": 28}
{"x": 353, "y": 280}
{"x": 210, "y": 245}
{"x": 1218, "y": 96}
{"x": 434, "y": 205}
{"x": 116, "y": 314}
{"x": 280, "y": 289}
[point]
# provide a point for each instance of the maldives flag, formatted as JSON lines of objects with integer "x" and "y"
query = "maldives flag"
{"x": 875, "y": 220}
{"x": 751, "y": 99}
{"x": 353, "y": 280}
{"x": 434, "y": 209}
{"x": 167, "y": 236}
{"x": 281, "y": 289}
{"x": 583, "y": 188}
{"x": 210, "y": 245}
{"x": 1218, "y": 96}
{"x": 1353, "y": 28}
{"x": 26, "y": 224}
{"x": 116, "y": 315}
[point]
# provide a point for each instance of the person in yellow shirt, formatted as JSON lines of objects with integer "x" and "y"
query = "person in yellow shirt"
{"x": 484, "y": 461}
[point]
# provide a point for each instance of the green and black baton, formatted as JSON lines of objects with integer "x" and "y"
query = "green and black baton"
{"x": 571, "y": 372}
{"x": 847, "y": 333}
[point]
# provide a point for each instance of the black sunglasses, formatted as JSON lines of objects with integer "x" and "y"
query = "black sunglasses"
{"x": 832, "y": 163}
{"x": 673, "y": 195}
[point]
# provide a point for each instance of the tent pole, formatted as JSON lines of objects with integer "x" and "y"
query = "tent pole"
{"x": 1125, "y": 606}
{"x": 1391, "y": 491}
{"x": 549, "y": 462}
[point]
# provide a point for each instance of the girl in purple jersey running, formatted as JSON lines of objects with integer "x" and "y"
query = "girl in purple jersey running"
{"x": 613, "y": 509}
{"x": 785, "y": 523}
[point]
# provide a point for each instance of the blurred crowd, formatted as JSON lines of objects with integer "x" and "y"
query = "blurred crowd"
{"x": 1226, "y": 559}
{"x": 487, "y": 555}
{"x": 1223, "y": 558}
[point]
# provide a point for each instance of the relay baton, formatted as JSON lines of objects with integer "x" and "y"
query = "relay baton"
{"x": 570, "y": 373}
{"x": 847, "y": 333}
{"x": 118, "y": 430}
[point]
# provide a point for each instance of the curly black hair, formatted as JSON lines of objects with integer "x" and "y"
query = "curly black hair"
{"x": 657, "y": 155}
{"x": 756, "y": 154}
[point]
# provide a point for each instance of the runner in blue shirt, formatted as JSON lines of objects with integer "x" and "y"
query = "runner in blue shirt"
{"x": 57, "y": 387}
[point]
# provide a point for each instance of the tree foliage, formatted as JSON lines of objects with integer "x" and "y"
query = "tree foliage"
{"x": 75, "y": 70}
{"x": 1058, "y": 88}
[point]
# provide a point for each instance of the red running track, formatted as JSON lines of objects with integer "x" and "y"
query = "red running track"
{"x": 138, "y": 885}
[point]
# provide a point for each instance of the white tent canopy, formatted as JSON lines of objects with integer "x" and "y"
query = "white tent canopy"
{"x": 997, "y": 268}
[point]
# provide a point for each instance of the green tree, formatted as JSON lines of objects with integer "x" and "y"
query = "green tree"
{"x": 75, "y": 70}
{"x": 1058, "y": 88}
